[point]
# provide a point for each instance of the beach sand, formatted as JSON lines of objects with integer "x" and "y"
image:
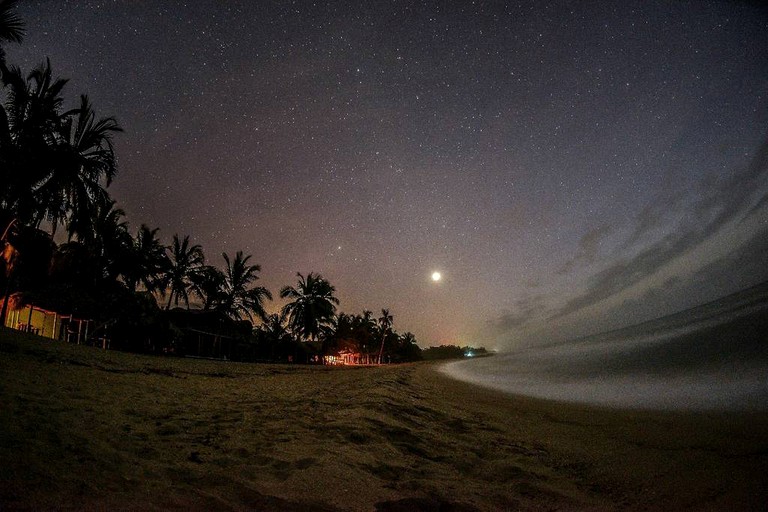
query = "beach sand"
{"x": 84, "y": 429}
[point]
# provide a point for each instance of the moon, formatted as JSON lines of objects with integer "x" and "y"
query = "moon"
{"x": 436, "y": 276}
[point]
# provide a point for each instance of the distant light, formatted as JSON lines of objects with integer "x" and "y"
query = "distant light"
{"x": 470, "y": 354}
{"x": 436, "y": 276}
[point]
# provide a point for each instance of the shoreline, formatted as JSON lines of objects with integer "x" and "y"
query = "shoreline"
{"x": 728, "y": 390}
{"x": 650, "y": 459}
{"x": 87, "y": 429}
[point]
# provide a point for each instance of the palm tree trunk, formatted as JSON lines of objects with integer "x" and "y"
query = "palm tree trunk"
{"x": 4, "y": 311}
{"x": 381, "y": 350}
{"x": 170, "y": 296}
{"x": 9, "y": 275}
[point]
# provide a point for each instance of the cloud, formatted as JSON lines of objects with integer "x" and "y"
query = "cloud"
{"x": 745, "y": 265}
{"x": 524, "y": 311}
{"x": 716, "y": 204}
{"x": 734, "y": 271}
{"x": 589, "y": 244}
{"x": 626, "y": 272}
{"x": 650, "y": 218}
{"x": 759, "y": 205}
{"x": 681, "y": 249}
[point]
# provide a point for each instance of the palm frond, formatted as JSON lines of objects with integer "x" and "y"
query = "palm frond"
{"x": 11, "y": 25}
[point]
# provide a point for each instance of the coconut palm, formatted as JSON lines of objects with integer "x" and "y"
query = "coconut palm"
{"x": 11, "y": 28}
{"x": 407, "y": 348}
{"x": 238, "y": 297}
{"x": 208, "y": 283}
{"x": 85, "y": 158}
{"x": 184, "y": 260}
{"x": 29, "y": 122}
{"x": 53, "y": 163}
{"x": 367, "y": 320}
{"x": 146, "y": 260}
{"x": 107, "y": 237}
{"x": 274, "y": 328}
{"x": 385, "y": 327}
{"x": 312, "y": 305}
{"x": 385, "y": 321}
{"x": 274, "y": 334}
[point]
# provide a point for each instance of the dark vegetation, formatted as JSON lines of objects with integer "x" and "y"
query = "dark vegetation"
{"x": 56, "y": 164}
{"x": 452, "y": 352}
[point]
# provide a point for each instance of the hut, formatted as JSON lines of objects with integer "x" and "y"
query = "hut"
{"x": 47, "y": 323}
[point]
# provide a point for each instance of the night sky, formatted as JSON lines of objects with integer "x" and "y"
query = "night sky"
{"x": 568, "y": 166}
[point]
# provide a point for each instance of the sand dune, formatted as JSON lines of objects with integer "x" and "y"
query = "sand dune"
{"x": 82, "y": 429}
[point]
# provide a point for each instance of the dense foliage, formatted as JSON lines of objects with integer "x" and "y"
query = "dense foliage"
{"x": 56, "y": 165}
{"x": 452, "y": 352}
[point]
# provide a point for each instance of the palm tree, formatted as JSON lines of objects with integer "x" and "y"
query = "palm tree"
{"x": 208, "y": 283}
{"x": 107, "y": 236}
{"x": 369, "y": 328}
{"x": 385, "y": 327}
{"x": 53, "y": 163}
{"x": 29, "y": 121}
{"x": 11, "y": 28}
{"x": 237, "y": 295}
{"x": 407, "y": 348}
{"x": 84, "y": 157}
{"x": 312, "y": 305}
{"x": 274, "y": 333}
{"x": 146, "y": 260}
{"x": 183, "y": 262}
{"x": 367, "y": 319}
{"x": 274, "y": 327}
{"x": 408, "y": 338}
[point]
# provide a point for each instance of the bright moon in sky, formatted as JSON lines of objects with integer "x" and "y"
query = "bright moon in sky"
{"x": 436, "y": 276}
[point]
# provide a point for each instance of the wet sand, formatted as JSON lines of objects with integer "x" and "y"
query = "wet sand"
{"x": 83, "y": 429}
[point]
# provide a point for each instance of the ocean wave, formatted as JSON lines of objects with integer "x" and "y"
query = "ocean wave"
{"x": 711, "y": 357}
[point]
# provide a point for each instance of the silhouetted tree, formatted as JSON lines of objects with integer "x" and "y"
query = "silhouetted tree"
{"x": 407, "y": 349}
{"x": 11, "y": 28}
{"x": 312, "y": 305}
{"x": 85, "y": 158}
{"x": 107, "y": 237}
{"x": 145, "y": 261}
{"x": 385, "y": 327}
{"x": 184, "y": 260}
{"x": 452, "y": 352}
{"x": 208, "y": 284}
{"x": 237, "y": 296}
{"x": 53, "y": 163}
{"x": 275, "y": 340}
{"x": 29, "y": 122}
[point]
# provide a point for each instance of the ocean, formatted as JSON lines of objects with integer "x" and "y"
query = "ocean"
{"x": 711, "y": 357}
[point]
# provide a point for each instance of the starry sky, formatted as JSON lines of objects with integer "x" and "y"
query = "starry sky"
{"x": 567, "y": 166}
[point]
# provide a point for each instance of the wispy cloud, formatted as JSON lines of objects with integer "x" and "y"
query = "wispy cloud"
{"x": 715, "y": 205}
{"x": 624, "y": 273}
{"x": 522, "y": 312}
{"x": 589, "y": 245}
{"x": 674, "y": 229}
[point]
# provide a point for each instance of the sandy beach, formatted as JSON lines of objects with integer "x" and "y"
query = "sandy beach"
{"x": 84, "y": 429}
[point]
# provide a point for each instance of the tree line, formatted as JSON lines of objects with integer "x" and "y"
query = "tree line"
{"x": 56, "y": 165}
